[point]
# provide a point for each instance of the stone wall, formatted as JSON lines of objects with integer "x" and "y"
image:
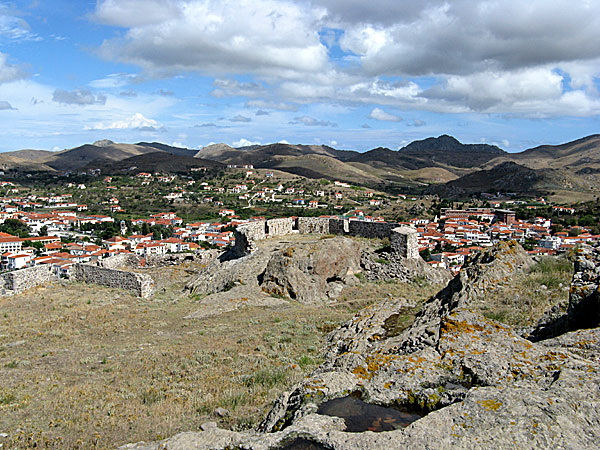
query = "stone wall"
{"x": 371, "y": 230}
{"x": 338, "y": 226}
{"x": 313, "y": 225}
{"x": 19, "y": 280}
{"x": 405, "y": 242}
{"x": 280, "y": 227}
{"x": 404, "y": 239}
{"x": 120, "y": 260}
{"x": 245, "y": 237}
{"x": 140, "y": 284}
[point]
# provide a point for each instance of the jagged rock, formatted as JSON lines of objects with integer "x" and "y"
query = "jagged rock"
{"x": 475, "y": 381}
{"x": 389, "y": 265}
{"x": 305, "y": 270}
{"x": 314, "y": 272}
{"x": 583, "y": 309}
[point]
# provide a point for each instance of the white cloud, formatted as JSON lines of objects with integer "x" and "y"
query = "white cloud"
{"x": 78, "y": 97}
{"x": 312, "y": 122}
{"x": 244, "y": 143}
{"x": 216, "y": 36}
{"x": 136, "y": 121}
{"x": 115, "y": 80}
{"x": 240, "y": 118}
{"x": 15, "y": 28}
{"x": 6, "y": 106}
{"x": 380, "y": 114}
{"x": 9, "y": 72}
{"x": 232, "y": 88}
{"x": 267, "y": 104}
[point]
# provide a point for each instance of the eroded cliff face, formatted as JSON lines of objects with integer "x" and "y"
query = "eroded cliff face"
{"x": 474, "y": 382}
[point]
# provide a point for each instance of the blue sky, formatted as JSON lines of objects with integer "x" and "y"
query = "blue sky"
{"x": 347, "y": 73}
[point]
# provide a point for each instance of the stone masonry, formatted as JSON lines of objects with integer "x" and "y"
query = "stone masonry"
{"x": 280, "y": 227}
{"x": 141, "y": 284}
{"x": 313, "y": 225}
{"x": 404, "y": 240}
{"x": 20, "y": 280}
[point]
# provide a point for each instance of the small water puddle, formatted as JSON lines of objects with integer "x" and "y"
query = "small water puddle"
{"x": 303, "y": 444}
{"x": 361, "y": 416}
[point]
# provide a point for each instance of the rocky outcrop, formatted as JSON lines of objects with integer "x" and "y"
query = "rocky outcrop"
{"x": 383, "y": 266}
{"x": 314, "y": 272}
{"x": 583, "y": 310}
{"x": 474, "y": 382}
{"x": 302, "y": 269}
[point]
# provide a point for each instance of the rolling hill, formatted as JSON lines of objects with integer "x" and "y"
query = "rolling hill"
{"x": 453, "y": 167}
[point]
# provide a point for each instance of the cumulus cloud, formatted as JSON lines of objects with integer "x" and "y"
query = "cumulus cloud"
{"x": 9, "y": 72}
{"x": 411, "y": 55}
{"x": 312, "y": 122}
{"x": 206, "y": 125}
{"x": 79, "y": 97}
{"x": 225, "y": 87}
{"x": 215, "y": 36}
{"x": 262, "y": 112}
{"x": 136, "y": 121}
{"x": 244, "y": 143}
{"x": 6, "y": 106}
{"x": 266, "y": 104}
{"x": 462, "y": 37}
{"x": 380, "y": 114}
{"x": 240, "y": 118}
{"x": 417, "y": 123}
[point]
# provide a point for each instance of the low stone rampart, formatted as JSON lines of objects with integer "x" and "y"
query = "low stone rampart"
{"x": 313, "y": 225}
{"x": 20, "y": 280}
{"x": 279, "y": 227}
{"x": 140, "y": 284}
{"x": 120, "y": 260}
{"x": 338, "y": 226}
{"x": 371, "y": 230}
{"x": 404, "y": 240}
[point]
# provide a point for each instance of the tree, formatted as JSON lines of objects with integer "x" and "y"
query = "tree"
{"x": 15, "y": 227}
{"x": 44, "y": 230}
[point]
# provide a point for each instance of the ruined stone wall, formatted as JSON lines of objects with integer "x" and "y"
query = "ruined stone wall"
{"x": 245, "y": 237}
{"x": 280, "y": 227}
{"x": 338, "y": 226}
{"x": 140, "y": 284}
{"x": 404, "y": 239}
{"x": 19, "y": 280}
{"x": 371, "y": 230}
{"x": 405, "y": 242}
{"x": 313, "y": 225}
{"x": 120, "y": 260}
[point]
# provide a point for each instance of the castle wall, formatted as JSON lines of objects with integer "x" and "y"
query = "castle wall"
{"x": 371, "y": 230}
{"x": 20, "y": 280}
{"x": 280, "y": 227}
{"x": 140, "y": 284}
{"x": 405, "y": 242}
{"x": 313, "y": 225}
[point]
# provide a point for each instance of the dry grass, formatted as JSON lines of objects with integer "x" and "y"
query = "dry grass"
{"x": 90, "y": 367}
{"x": 528, "y": 295}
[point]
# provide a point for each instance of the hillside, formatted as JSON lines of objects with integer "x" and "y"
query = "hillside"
{"x": 158, "y": 162}
{"x": 444, "y": 151}
{"x": 580, "y": 154}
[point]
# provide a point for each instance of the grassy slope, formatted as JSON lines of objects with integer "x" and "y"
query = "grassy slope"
{"x": 117, "y": 369}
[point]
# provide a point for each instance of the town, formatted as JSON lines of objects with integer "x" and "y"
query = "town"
{"x": 84, "y": 217}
